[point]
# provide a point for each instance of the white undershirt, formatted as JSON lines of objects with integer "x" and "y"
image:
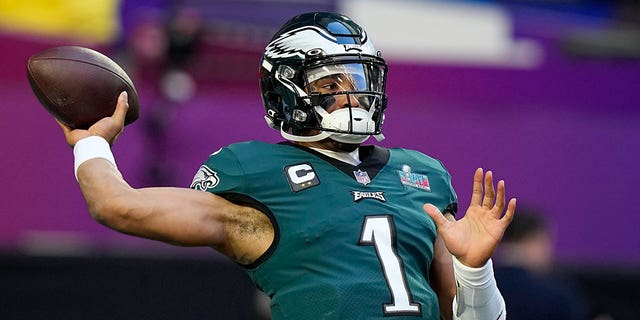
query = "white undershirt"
{"x": 352, "y": 158}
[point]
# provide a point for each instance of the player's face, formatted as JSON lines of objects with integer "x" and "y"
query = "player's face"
{"x": 334, "y": 84}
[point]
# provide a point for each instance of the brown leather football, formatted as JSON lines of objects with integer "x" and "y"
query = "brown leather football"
{"x": 80, "y": 86}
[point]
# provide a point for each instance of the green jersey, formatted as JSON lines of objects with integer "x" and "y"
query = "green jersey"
{"x": 351, "y": 242}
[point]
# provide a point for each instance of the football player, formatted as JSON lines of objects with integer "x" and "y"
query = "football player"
{"x": 329, "y": 228}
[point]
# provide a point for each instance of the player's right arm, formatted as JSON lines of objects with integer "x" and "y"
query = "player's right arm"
{"x": 178, "y": 216}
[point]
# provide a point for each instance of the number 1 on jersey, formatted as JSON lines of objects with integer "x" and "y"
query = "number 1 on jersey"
{"x": 379, "y": 231}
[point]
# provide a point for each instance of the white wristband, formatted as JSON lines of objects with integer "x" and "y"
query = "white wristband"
{"x": 477, "y": 294}
{"x": 473, "y": 277}
{"x": 89, "y": 148}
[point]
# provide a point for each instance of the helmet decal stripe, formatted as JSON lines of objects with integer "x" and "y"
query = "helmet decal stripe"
{"x": 298, "y": 41}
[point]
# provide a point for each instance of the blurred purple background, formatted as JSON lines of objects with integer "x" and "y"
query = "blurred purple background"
{"x": 564, "y": 134}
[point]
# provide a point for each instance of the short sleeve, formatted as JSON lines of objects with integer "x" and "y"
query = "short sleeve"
{"x": 220, "y": 173}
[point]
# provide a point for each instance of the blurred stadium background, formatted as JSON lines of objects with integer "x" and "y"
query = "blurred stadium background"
{"x": 545, "y": 93}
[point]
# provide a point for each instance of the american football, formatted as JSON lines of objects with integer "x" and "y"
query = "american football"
{"x": 80, "y": 86}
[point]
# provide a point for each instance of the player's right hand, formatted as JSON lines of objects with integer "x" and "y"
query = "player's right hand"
{"x": 109, "y": 127}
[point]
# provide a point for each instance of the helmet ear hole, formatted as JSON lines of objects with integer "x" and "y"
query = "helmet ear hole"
{"x": 273, "y": 99}
{"x": 274, "y": 120}
{"x": 274, "y": 108}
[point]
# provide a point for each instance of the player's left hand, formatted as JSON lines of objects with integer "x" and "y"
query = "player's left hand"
{"x": 474, "y": 237}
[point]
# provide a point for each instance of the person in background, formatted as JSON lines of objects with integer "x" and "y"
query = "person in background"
{"x": 327, "y": 227}
{"x": 525, "y": 273}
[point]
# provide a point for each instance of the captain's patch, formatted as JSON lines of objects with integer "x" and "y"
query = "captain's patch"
{"x": 301, "y": 176}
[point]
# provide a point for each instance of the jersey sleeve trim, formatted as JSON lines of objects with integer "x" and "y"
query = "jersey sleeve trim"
{"x": 243, "y": 199}
{"x": 451, "y": 208}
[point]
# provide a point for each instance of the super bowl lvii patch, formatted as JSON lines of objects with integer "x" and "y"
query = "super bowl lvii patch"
{"x": 415, "y": 180}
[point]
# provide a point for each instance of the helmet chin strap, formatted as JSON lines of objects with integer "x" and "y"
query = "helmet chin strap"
{"x": 344, "y": 138}
{"x": 320, "y": 136}
{"x": 339, "y": 120}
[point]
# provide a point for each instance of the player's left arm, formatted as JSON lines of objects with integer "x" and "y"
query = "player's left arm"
{"x": 472, "y": 240}
{"x": 442, "y": 278}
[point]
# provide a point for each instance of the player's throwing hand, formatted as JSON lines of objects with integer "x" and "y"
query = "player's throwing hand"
{"x": 109, "y": 127}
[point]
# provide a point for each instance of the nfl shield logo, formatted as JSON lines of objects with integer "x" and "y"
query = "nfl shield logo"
{"x": 362, "y": 177}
